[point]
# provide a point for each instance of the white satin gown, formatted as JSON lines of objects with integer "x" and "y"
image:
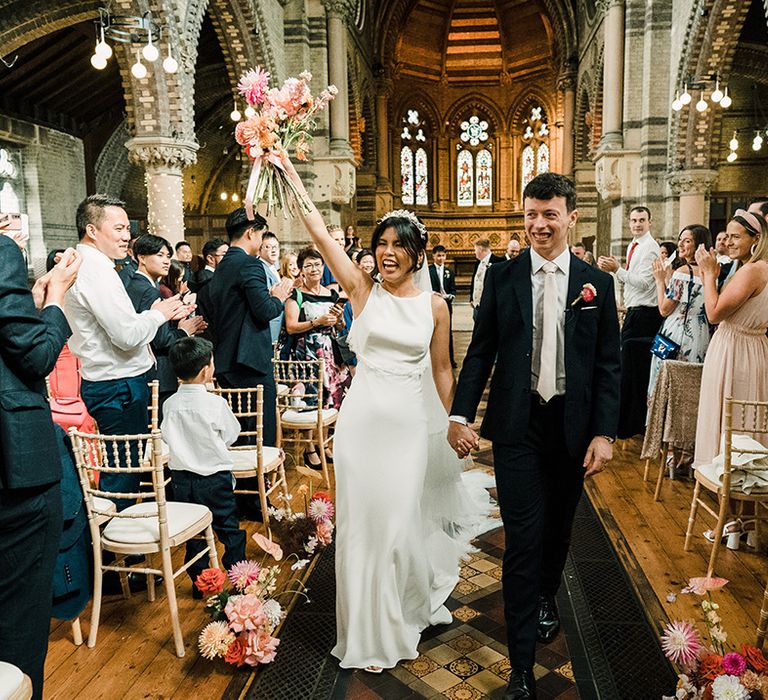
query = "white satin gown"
{"x": 406, "y": 510}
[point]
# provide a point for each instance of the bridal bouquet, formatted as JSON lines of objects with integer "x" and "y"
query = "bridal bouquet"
{"x": 709, "y": 668}
{"x": 280, "y": 119}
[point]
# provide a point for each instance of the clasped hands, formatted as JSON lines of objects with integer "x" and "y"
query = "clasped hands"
{"x": 463, "y": 440}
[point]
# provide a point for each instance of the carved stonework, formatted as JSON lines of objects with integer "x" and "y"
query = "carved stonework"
{"x": 604, "y": 5}
{"x": 685, "y": 182}
{"x": 607, "y": 178}
{"x": 161, "y": 152}
{"x": 340, "y": 8}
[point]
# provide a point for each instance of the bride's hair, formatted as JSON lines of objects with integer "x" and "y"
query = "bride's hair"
{"x": 409, "y": 231}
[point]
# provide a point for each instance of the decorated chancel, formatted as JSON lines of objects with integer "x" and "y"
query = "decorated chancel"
{"x": 384, "y": 349}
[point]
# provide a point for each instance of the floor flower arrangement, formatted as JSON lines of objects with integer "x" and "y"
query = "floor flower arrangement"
{"x": 246, "y": 615}
{"x": 711, "y": 668}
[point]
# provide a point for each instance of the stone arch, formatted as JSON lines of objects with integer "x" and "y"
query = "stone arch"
{"x": 426, "y": 106}
{"x": 583, "y": 142}
{"x": 32, "y": 21}
{"x": 520, "y": 107}
{"x": 711, "y": 37}
{"x": 112, "y": 167}
{"x": 368, "y": 146}
{"x": 474, "y": 100}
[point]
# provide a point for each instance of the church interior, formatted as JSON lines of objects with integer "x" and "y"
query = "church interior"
{"x": 447, "y": 108}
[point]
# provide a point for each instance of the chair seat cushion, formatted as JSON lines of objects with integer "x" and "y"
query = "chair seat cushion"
{"x": 105, "y": 508}
{"x": 11, "y": 681}
{"x": 740, "y": 481}
{"x": 283, "y": 389}
{"x": 245, "y": 460}
{"x": 308, "y": 417}
{"x": 181, "y": 516}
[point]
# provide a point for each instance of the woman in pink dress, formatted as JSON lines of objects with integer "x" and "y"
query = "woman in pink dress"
{"x": 736, "y": 364}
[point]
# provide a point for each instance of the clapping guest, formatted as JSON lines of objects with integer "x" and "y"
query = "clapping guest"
{"x": 736, "y": 364}
{"x": 153, "y": 254}
{"x": 213, "y": 251}
{"x": 680, "y": 295}
{"x": 30, "y": 465}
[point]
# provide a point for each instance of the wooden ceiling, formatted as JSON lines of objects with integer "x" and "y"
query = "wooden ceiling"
{"x": 53, "y": 83}
{"x": 474, "y": 40}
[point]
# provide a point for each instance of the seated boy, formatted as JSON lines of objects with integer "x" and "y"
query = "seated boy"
{"x": 199, "y": 427}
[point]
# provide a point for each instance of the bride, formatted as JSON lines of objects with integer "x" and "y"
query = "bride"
{"x": 405, "y": 511}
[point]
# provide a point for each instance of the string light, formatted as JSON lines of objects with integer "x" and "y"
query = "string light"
{"x": 757, "y": 142}
{"x": 731, "y": 156}
{"x": 223, "y": 196}
{"x": 734, "y": 142}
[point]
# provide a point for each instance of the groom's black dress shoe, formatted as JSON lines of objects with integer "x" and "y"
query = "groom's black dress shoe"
{"x": 549, "y": 619}
{"x": 522, "y": 685}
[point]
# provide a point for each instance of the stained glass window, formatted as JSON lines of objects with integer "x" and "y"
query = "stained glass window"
{"x": 465, "y": 179}
{"x": 414, "y": 162}
{"x": 535, "y": 155}
{"x": 11, "y": 194}
{"x": 406, "y": 175}
{"x": 421, "y": 177}
{"x": 484, "y": 176}
{"x": 529, "y": 165}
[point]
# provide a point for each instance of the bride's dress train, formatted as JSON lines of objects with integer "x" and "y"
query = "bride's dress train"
{"x": 406, "y": 510}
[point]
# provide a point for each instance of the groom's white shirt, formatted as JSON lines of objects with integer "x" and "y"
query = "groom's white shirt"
{"x": 563, "y": 262}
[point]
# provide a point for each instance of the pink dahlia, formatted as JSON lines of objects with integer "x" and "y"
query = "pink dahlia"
{"x": 253, "y": 86}
{"x": 260, "y": 648}
{"x": 734, "y": 664}
{"x": 680, "y": 643}
{"x": 324, "y": 532}
{"x": 245, "y": 612}
{"x": 243, "y": 574}
{"x": 320, "y": 509}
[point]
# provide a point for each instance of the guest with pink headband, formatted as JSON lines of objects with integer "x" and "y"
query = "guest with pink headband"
{"x": 736, "y": 364}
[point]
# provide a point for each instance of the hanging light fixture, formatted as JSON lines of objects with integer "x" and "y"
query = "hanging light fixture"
{"x": 249, "y": 112}
{"x": 235, "y": 115}
{"x": 235, "y": 197}
{"x": 103, "y": 49}
{"x": 733, "y": 144}
{"x": 731, "y": 156}
{"x": 757, "y": 142}
{"x": 223, "y": 196}
{"x": 170, "y": 64}
{"x": 685, "y": 98}
{"x": 150, "y": 51}
{"x": 717, "y": 93}
{"x": 726, "y": 100}
{"x": 701, "y": 105}
{"x": 98, "y": 62}
{"x": 677, "y": 105}
{"x": 138, "y": 69}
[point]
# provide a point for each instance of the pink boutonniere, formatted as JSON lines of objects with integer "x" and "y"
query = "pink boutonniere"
{"x": 588, "y": 293}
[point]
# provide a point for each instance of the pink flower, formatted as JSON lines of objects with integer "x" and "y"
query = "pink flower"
{"x": 244, "y": 573}
{"x": 325, "y": 532}
{"x": 260, "y": 648}
{"x": 245, "y": 612}
{"x": 253, "y": 85}
{"x": 680, "y": 642}
{"x": 320, "y": 509}
{"x": 734, "y": 664}
{"x": 290, "y": 98}
{"x": 588, "y": 293}
{"x": 701, "y": 585}
{"x": 270, "y": 547}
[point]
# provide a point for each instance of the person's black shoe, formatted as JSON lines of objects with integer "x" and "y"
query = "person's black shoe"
{"x": 136, "y": 582}
{"x": 522, "y": 685}
{"x": 549, "y": 619}
{"x": 197, "y": 594}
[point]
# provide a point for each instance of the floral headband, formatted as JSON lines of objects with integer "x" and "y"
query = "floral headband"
{"x": 749, "y": 218}
{"x": 405, "y": 214}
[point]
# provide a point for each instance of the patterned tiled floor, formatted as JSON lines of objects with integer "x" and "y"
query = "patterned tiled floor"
{"x": 467, "y": 660}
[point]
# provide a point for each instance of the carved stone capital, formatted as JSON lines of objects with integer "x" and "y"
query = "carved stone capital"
{"x": 604, "y": 5}
{"x": 161, "y": 152}
{"x": 685, "y": 182}
{"x": 566, "y": 81}
{"x": 385, "y": 86}
{"x": 339, "y": 8}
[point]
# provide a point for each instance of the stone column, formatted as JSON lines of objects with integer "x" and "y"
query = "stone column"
{"x": 163, "y": 160}
{"x": 338, "y": 12}
{"x": 693, "y": 188}
{"x": 382, "y": 132}
{"x": 567, "y": 85}
{"x": 613, "y": 74}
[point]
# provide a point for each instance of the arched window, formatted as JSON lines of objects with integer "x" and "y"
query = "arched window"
{"x": 11, "y": 195}
{"x": 474, "y": 183}
{"x": 535, "y": 154}
{"x": 414, "y": 160}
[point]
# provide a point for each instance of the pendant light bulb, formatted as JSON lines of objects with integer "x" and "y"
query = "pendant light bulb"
{"x": 249, "y": 112}
{"x": 731, "y": 156}
{"x": 235, "y": 115}
{"x": 685, "y": 98}
{"x": 223, "y": 196}
{"x": 677, "y": 105}
{"x": 150, "y": 51}
{"x": 733, "y": 144}
{"x": 701, "y": 105}
{"x": 717, "y": 93}
{"x": 726, "y": 101}
{"x": 170, "y": 64}
{"x": 98, "y": 62}
{"x": 103, "y": 49}
{"x": 757, "y": 142}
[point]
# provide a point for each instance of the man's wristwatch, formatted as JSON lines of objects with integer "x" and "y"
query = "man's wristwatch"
{"x": 610, "y": 439}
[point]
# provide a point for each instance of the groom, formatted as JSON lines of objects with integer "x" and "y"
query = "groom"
{"x": 549, "y": 321}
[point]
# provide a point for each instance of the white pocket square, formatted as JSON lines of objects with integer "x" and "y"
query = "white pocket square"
{"x": 588, "y": 308}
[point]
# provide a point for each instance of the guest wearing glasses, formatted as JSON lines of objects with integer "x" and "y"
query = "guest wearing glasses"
{"x": 213, "y": 251}
{"x": 269, "y": 254}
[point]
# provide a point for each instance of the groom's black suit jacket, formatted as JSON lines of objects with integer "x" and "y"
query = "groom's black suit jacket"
{"x": 504, "y": 332}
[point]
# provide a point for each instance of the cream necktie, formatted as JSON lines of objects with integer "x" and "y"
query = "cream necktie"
{"x": 548, "y": 359}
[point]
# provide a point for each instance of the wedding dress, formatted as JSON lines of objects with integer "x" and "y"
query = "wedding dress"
{"x": 406, "y": 510}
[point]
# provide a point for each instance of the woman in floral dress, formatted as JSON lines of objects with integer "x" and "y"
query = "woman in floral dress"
{"x": 681, "y": 301}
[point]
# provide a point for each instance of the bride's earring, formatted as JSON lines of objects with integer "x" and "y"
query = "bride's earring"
{"x": 753, "y": 249}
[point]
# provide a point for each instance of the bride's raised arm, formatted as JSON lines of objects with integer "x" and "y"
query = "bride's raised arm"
{"x": 353, "y": 280}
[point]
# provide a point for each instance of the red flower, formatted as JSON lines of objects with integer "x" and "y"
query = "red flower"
{"x": 755, "y": 658}
{"x": 321, "y": 495}
{"x": 211, "y": 581}
{"x": 588, "y": 294}
{"x": 235, "y": 655}
{"x": 711, "y": 667}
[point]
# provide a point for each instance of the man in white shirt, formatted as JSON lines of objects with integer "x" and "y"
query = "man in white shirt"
{"x": 513, "y": 249}
{"x": 641, "y": 321}
{"x": 108, "y": 336}
{"x": 443, "y": 283}
{"x": 721, "y": 248}
{"x": 485, "y": 258}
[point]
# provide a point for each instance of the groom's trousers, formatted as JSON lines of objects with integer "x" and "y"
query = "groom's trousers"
{"x": 539, "y": 485}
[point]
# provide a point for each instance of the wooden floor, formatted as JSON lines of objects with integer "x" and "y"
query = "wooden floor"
{"x": 134, "y": 656}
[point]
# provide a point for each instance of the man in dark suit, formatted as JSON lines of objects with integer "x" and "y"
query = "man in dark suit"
{"x": 443, "y": 283}
{"x": 485, "y": 258}
{"x": 30, "y": 465}
{"x": 238, "y": 306}
{"x": 549, "y": 322}
{"x": 153, "y": 254}
{"x": 213, "y": 252}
